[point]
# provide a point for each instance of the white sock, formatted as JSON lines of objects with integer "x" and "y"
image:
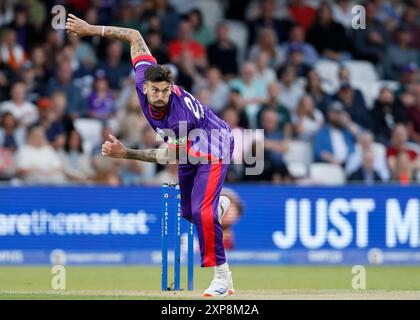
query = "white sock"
{"x": 222, "y": 271}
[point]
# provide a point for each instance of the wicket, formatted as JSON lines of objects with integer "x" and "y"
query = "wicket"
{"x": 171, "y": 192}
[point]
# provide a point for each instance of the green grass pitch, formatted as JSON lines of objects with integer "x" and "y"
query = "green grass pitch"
{"x": 251, "y": 282}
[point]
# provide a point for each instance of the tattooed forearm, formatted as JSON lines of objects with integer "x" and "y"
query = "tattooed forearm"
{"x": 148, "y": 155}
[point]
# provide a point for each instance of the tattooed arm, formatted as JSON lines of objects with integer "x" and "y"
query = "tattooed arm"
{"x": 115, "y": 149}
{"x": 81, "y": 28}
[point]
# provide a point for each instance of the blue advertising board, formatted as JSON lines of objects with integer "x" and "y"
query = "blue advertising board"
{"x": 278, "y": 225}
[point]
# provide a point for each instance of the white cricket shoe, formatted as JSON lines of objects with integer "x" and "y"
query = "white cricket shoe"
{"x": 224, "y": 203}
{"x": 220, "y": 287}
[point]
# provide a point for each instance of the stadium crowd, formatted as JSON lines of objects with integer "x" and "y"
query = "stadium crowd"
{"x": 297, "y": 69}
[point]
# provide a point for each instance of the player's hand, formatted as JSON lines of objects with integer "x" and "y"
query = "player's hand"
{"x": 77, "y": 26}
{"x": 113, "y": 148}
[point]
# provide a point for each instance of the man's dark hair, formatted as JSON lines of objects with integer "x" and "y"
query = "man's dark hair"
{"x": 158, "y": 74}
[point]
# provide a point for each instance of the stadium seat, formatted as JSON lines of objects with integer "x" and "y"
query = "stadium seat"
{"x": 297, "y": 169}
{"x": 90, "y": 131}
{"x": 238, "y": 34}
{"x": 327, "y": 174}
{"x": 361, "y": 71}
{"x": 328, "y": 72}
{"x": 212, "y": 12}
{"x": 299, "y": 152}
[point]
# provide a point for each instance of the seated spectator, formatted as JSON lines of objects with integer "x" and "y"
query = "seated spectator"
{"x": 291, "y": 89}
{"x": 354, "y": 104}
{"x": 398, "y": 146}
{"x": 115, "y": 67}
{"x": 222, "y": 53}
{"x": 252, "y": 91}
{"x": 301, "y": 13}
{"x": 77, "y": 165}
{"x": 185, "y": 42}
{"x": 268, "y": 42}
{"x": 403, "y": 169}
{"x": 39, "y": 64}
{"x": 365, "y": 145}
{"x": 366, "y": 173}
{"x": 11, "y": 135}
{"x": 24, "y": 111}
{"x": 295, "y": 59}
{"x": 157, "y": 47}
{"x": 49, "y": 120}
{"x": 335, "y": 141}
{"x": 327, "y": 36}
{"x": 284, "y": 119}
{"x": 342, "y": 13}
{"x": 237, "y": 103}
{"x": 264, "y": 73}
{"x": 83, "y": 52}
{"x": 307, "y": 120}
{"x": 413, "y": 114}
{"x": 314, "y": 88}
{"x": 409, "y": 20}
{"x": 12, "y": 53}
{"x": 63, "y": 81}
{"x": 408, "y": 77}
{"x": 386, "y": 114}
{"x": 101, "y": 102}
{"x": 266, "y": 19}
{"x": 297, "y": 38}
{"x": 218, "y": 90}
{"x": 370, "y": 43}
{"x": 201, "y": 33}
{"x": 37, "y": 162}
{"x": 399, "y": 54}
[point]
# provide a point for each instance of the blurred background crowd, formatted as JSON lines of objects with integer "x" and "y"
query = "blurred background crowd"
{"x": 337, "y": 104}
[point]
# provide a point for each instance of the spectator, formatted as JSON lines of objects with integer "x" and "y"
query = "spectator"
{"x": 231, "y": 217}
{"x": 366, "y": 173}
{"x": 327, "y": 36}
{"x": 222, "y": 53}
{"x": 297, "y": 37}
{"x": 409, "y": 20}
{"x": 413, "y": 113}
{"x": 115, "y": 68}
{"x": 314, "y": 88}
{"x": 185, "y": 43}
{"x": 201, "y": 33}
{"x": 308, "y": 120}
{"x": 11, "y": 135}
{"x": 267, "y": 42}
{"x": 264, "y": 73}
{"x": 399, "y": 145}
{"x": 83, "y": 52}
{"x": 76, "y": 162}
{"x": 399, "y": 54}
{"x": 39, "y": 64}
{"x": 354, "y": 104}
{"x": 266, "y": 19}
{"x": 218, "y": 90}
{"x": 386, "y": 114}
{"x": 6, "y": 13}
{"x": 284, "y": 119}
{"x": 342, "y": 13}
{"x": 12, "y": 53}
{"x": 335, "y": 141}
{"x": 409, "y": 76}
{"x": 403, "y": 169}
{"x": 25, "y": 32}
{"x": 49, "y": 120}
{"x": 295, "y": 58}
{"x": 63, "y": 81}
{"x": 101, "y": 102}
{"x": 275, "y": 145}
{"x": 168, "y": 175}
{"x": 24, "y": 111}
{"x": 252, "y": 92}
{"x": 237, "y": 103}
{"x": 365, "y": 144}
{"x": 291, "y": 89}
{"x": 37, "y": 162}
{"x": 370, "y": 43}
{"x": 157, "y": 47}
